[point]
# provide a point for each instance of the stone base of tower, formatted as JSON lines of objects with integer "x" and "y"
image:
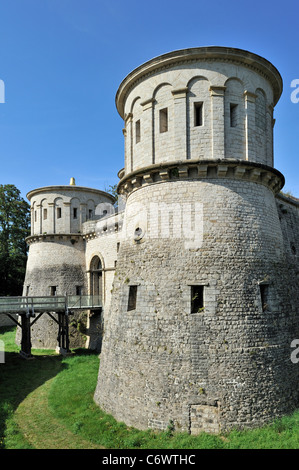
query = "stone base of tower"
{"x": 208, "y": 372}
{"x": 226, "y": 364}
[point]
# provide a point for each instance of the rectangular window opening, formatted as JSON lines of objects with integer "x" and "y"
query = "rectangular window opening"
{"x": 132, "y": 298}
{"x": 53, "y": 290}
{"x": 90, "y": 214}
{"x": 233, "y": 115}
{"x": 79, "y": 290}
{"x": 45, "y": 214}
{"x": 264, "y": 291}
{"x": 198, "y": 114}
{"x": 197, "y": 299}
{"x": 75, "y": 212}
{"x": 163, "y": 120}
{"x": 137, "y": 131}
{"x": 58, "y": 212}
{"x": 35, "y": 216}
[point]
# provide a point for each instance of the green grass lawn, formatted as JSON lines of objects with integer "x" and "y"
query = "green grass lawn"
{"x": 47, "y": 403}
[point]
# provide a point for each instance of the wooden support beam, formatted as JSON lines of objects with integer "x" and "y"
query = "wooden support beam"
{"x": 14, "y": 320}
{"x": 63, "y": 333}
{"x": 26, "y": 337}
{"x": 38, "y": 316}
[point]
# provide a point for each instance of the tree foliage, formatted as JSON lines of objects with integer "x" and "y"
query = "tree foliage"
{"x": 14, "y": 228}
{"x": 113, "y": 191}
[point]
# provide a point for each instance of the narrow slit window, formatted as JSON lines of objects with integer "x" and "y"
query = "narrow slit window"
{"x": 137, "y": 131}
{"x": 132, "y": 298}
{"x": 75, "y": 212}
{"x": 233, "y": 115}
{"x": 35, "y": 216}
{"x": 163, "y": 120}
{"x": 79, "y": 290}
{"x": 90, "y": 214}
{"x": 198, "y": 114}
{"x": 264, "y": 291}
{"x": 197, "y": 299}
{"x": 53, "y": 290}
{"x": 45, "y": 214}
{"x": 58, "y": 212}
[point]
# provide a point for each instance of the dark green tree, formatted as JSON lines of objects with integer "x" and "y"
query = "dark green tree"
{"x": 14, "y": 228}
{"x": 113, "y": 191}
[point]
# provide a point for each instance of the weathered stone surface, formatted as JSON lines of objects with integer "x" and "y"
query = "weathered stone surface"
{"x": 160, "y": 359}
{"x": 228, "y": 364}
{"x": 205, "y": 239}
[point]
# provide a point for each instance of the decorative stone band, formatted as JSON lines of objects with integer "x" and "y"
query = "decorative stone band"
{"x": 50, "y": 237}
{"x": 202, "y": 170}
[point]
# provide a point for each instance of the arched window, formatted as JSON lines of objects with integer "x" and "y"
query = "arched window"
{"x": 96, "y": 277}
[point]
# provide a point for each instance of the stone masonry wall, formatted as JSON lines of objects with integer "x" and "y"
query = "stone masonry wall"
{"x": 59, "y": 263}
{"x": 63, "y": 209}
{"x": 162, "y": 363}
{"x": 217, "y": 86}
{"x": 103, "y": 239}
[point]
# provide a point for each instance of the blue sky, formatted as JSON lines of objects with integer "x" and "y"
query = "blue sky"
{"x": 62, "y": 61}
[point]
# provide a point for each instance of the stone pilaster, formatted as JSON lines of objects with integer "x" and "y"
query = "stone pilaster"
{"x": 67, "y": 217}
{"x": 180, "y": 122}
{"x": 217, "y": 117}
{"x": 147, "y": 135}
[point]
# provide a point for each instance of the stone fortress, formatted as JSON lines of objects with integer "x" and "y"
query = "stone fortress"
{"x": 198, "y": 270}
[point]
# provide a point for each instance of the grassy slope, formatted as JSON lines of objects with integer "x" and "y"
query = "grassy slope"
{"x": 47, "y": 403}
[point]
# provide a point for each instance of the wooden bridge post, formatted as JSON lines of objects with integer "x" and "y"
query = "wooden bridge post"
{"x": 26, "y": 337}
{"x": 63, "y": 333}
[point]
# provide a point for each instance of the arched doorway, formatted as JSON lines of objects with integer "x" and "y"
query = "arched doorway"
{"x": 96, "y": 277}
{"x": 95, "y": 317}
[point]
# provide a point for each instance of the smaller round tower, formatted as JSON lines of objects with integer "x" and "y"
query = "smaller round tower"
{"x": 56, "y": 259}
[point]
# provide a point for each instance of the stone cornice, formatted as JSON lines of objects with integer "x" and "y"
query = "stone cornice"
{"x": 202, "y": 54}
{"x": 70, "y": 188}
{"x": 104, "y": 227}
{"x": 288, "y": 199}
{"x": 202, "y": 170}
{"x": 46, "y": 237}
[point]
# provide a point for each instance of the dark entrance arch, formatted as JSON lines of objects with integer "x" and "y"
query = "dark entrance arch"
{"x": 96, "y": 277}
{"x": 96, "y": 319}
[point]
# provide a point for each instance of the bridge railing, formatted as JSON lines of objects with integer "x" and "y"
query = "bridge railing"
{"x": 49, "y": 303}
{"x": 26, "y": 304}
{"x": 83, "y": 301}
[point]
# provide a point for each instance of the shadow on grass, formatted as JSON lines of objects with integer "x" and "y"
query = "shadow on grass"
{"x": 19, "y": 377}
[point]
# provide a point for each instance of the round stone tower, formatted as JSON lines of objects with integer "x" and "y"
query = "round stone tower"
{"x": 203, "y": 307}
{"x": 56, "y": 259}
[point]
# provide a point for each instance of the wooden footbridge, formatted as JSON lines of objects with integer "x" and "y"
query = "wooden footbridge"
{"x": 30, "y": 309}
